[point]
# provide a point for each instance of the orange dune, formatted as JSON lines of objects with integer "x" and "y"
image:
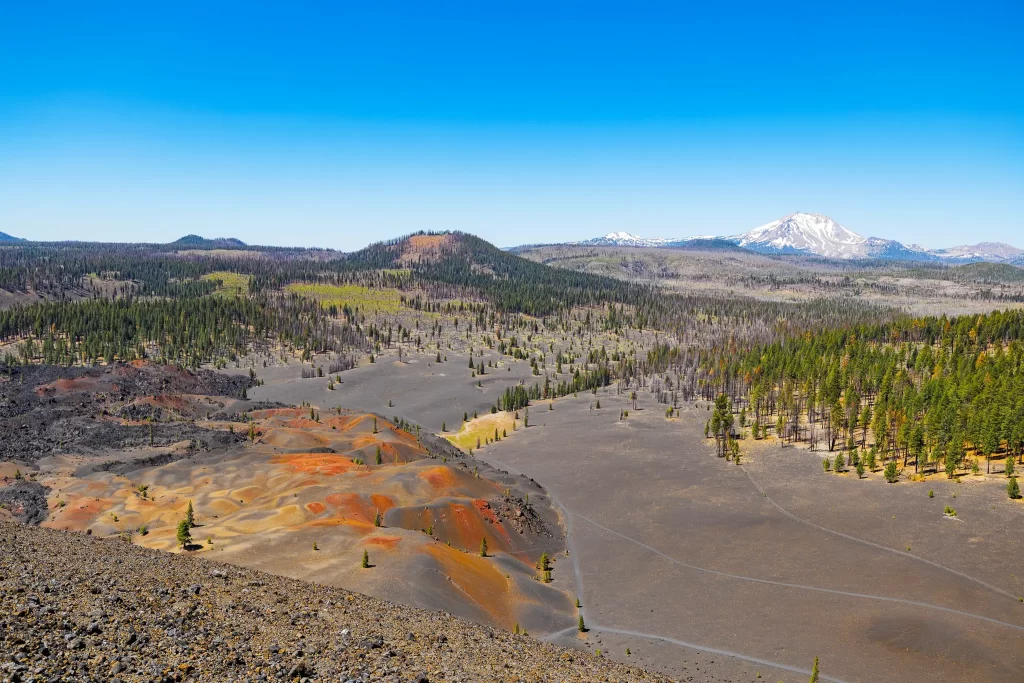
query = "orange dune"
{"x": 479, "y": 578}
{"x": 324, "y": 464}
{"x": 439, "y": 477}
{"x": 386, "y": 542}
{"x": 352, "y": 505}
{"x": 382, "y": 502}
{"x": 365, "y": 441}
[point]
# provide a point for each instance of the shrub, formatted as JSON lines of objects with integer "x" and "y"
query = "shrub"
{"x": 949, "y": 512}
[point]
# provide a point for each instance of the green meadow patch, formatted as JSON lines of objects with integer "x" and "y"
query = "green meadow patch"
{"x": 366, "y": 299}
{"x": 229, "y": 283}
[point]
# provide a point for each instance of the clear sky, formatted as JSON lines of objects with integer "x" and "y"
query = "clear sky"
{"x": 341, "y": 123}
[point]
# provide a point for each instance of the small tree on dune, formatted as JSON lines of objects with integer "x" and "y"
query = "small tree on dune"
{"x": 580, "y": 626}
{"x": 190, "y": 516}
{"x": 366, "y": 560}
{"x": 483, "y": 547}
{"x": 814, "y": 672}
{"x": 379, "y": 460}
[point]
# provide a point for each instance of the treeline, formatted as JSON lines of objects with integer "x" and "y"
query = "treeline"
{"x": 929, "y": 391}
{"x": 185, "y": 331}
{"x": 519, "y": 396}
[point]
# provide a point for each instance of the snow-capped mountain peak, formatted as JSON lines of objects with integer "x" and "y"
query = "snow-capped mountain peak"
{"x": 624, "y": 239}
{"x": 818, "y": 235}
{"x": 805, "y": 232}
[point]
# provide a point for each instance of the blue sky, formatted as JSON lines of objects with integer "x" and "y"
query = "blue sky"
{"x": 337, "y": 124}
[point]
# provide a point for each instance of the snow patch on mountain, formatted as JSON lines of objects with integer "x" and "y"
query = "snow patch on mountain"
{"x": 818, "y": 235}
{"x": 805, "y": 232}
{"x": 624, "y": 239}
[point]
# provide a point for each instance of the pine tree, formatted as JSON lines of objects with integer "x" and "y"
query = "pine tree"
{"x": 190, "y": 516}
{"x": 378, "y": 459}
{"x": 580, "y": 626}
{"x": 1013, "y": 489}
{"x": 814, "y": 672}
{"x": 366, "y": 560}
{"x": 184, "y": 533}
{"x": 483, "y": 547}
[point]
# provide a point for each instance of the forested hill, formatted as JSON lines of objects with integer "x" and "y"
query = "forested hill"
{"x": 197, "y": 242}
{"x": 460, "y": 260}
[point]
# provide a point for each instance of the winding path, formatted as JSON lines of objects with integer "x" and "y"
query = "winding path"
{"x": 569, "y": 516}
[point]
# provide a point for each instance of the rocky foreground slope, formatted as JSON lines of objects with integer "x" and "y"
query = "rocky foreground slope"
{"x": 78, "y": 608}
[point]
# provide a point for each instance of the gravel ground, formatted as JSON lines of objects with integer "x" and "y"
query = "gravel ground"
{"x": 77, "y": 608}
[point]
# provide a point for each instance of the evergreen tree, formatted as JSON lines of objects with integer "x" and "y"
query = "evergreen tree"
{"x": 184, "y": 533}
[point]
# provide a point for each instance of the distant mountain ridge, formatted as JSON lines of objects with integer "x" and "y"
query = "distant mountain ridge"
{"x": 4, "y": 237}
{"x": 197, "y": 242}
{"x": 818, "y": 235}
